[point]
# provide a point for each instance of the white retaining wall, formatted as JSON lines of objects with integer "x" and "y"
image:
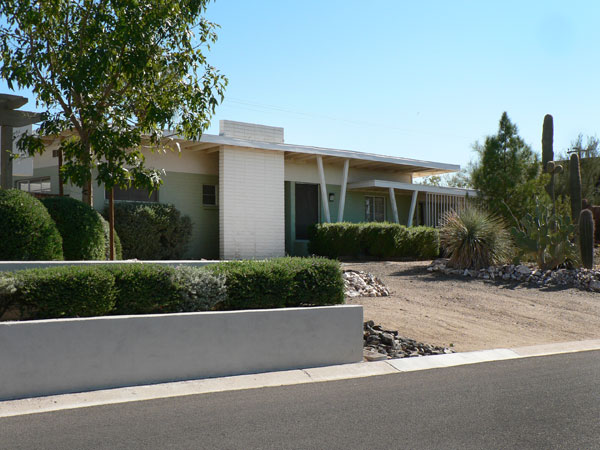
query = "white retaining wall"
{"x": 46, "y": 357}
{"x": 11, "y": 266}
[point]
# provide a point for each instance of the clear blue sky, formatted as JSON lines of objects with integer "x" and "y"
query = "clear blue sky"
{"x": 415, "y": 79}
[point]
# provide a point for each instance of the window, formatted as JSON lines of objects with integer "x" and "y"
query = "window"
{"x": 374, "y": 209}
{"x": 133, "y": 195}
{"x": 209, "y": 195}
{"x": 35, "y": 185}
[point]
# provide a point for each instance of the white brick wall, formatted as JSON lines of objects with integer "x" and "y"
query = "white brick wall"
{"x": 250, "y": 131}
{"x": 251, "y": 204}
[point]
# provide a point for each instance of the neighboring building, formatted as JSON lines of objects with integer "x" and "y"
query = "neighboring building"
{"x": 250, "y": 195}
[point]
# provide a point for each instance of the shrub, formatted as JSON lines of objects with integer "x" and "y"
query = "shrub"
{"x": 475, "y": 238}
{"x": 144, "y": 288}
{"x": 68, "y": 291}
{"x": 152, "y": 231}
{"x": 27, "y": 231}
{"x": 118, "y": 247}
{"x": 80, "y": 227}
{"x": 546, "y": 238}
{"x": 199, "y": 289}
{"x": 7, "y": 292}
{"x": 281, "y": 282}
{"x": 378, "y": 240}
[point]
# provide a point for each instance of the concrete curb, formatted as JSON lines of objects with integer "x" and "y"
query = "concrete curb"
{"x": 283, "y": 378}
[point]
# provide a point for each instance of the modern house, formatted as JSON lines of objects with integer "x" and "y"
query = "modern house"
{"x": 250, "y": 195}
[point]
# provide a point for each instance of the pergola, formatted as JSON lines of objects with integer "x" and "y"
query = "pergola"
{"x": 11, "y": 118}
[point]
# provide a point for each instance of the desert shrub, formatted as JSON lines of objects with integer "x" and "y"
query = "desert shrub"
{"x": 199, "y": 289}
{"x": 546, "y": 238}
{"x": 144, "y": 288}
{"x": 67, "y": 291}
{"x": 474, "y": 238}
{"x": 280, "y": 282}
{"x": 27, "y": 232}
{"x": 118, "y": 247}
{"x": 375, "y": 240}
{"x": 80, "y": 227}
{"x": 152, "y": 231}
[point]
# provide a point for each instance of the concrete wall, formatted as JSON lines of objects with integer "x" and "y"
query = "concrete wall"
{"x": 73, "y": 355}
{"x": 251, "y": 203}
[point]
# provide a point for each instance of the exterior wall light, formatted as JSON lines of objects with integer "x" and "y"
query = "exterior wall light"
{"x": 331, "y": 196}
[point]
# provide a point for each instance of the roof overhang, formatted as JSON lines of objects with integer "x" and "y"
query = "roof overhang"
{"x": 383, "y": 184}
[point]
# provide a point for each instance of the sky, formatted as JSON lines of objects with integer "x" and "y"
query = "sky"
{"x": 422, "y": 80}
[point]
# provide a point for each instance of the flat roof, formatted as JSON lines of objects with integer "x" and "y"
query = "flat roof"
{"x": 384, "y": 184}
{"x": 420, "y": 165}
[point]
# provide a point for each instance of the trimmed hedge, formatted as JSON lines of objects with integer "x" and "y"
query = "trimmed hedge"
{"x": 72, "y": 291}
{"x": 375, "y": 240}
{"x": 67, "y": 291}
{"x": 152, "y": 231}
{"x": 118, "y": 247}
{"x": 27, "y": 232}
{"x": 80, "y": 227}
{"x": 281, "y": 282}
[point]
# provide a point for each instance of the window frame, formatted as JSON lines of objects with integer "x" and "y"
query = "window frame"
{"x": 35, "y": 180}
{"x": 383, "y": 199}
{"x": 216, "y": 203}
{"x": 148, "y": 199}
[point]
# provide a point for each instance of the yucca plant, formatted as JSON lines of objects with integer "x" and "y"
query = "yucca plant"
{"x": 474, "y": 238}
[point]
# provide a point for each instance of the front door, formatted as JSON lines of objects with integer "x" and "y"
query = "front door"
{"x": 307, "y": 208}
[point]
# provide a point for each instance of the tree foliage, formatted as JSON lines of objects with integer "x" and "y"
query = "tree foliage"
{"x": 112, "y": 75}
{"x": 507, "y": 173}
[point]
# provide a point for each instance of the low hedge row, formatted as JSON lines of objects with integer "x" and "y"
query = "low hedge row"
{"x": 74, "y": 291}
{"x": 376, "y": 240}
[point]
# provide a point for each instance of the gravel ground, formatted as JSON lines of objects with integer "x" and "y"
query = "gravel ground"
{"x": 471, "y": 314}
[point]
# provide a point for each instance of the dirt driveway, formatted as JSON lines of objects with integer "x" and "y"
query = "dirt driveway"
{"x": 474, "y": 314}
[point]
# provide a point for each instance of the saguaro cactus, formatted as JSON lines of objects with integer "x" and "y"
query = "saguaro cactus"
{"x": 586, "y": 238}
{"x": 547, "y": 140}
{"x": 575, "y": 186}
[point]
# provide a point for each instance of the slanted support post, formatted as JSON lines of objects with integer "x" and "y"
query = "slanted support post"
{"x": 411, "y": 211}
{"x": 6, "y": 162}
{"x": 340, "y": 217}
{"x": 394, "y": 206}
{"x": 324, "y": 198}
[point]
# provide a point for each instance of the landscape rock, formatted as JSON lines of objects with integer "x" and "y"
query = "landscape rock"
{"x": 586, "y": 279}
{"x": 363, "y": 284}
{"x": 380, "y": 344}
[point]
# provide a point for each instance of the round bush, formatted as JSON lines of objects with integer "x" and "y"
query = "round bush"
{"x": 118, "y": 247}
{"x": 152, "y": 231}
{"x": 80, "y": 227}
{"x": 27, "y": 232}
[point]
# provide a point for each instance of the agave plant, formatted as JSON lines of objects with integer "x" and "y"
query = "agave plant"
{"x": 474, "y": 238}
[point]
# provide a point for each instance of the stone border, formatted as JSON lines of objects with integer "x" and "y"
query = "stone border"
{"x": 47, "y": 357}
{"x": 585, "y": 279}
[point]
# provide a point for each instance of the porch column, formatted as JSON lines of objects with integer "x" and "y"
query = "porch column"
{"x": 6, "y": 163}
{"x": 324, "y": 198}
{"x": 411, "y": 211}
{"x": 394, "y": 206}
{"x": 340, "y": 216}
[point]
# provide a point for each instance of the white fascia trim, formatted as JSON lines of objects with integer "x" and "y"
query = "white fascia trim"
{"x": 412, "y": 187}
{"x": 348, "y": 154}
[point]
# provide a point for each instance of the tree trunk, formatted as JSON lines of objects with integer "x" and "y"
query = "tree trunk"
{"x": 61, "y": 190}
{"x": 111, "y": 223}
{"x": 87, "y": 194}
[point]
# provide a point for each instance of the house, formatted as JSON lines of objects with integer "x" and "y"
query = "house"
{"x": 251, "y": 195}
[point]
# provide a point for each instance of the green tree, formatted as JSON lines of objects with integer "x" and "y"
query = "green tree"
{"x": 112, "y": 75}
{"x": 460, "y": 179}
{"x": 507, "y": 173}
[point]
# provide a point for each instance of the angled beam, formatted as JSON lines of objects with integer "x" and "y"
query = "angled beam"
{"x": 394, "y": 206}
{"x": 324, "y": 198}
{"x": 13, "y": 118}
{"x": 411, "y": 211}
{"x": 340, "y": 217}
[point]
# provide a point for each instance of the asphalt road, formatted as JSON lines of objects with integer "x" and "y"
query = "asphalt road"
{"x": 545, "y": 403}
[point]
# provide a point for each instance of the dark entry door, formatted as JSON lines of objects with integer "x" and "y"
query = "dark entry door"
{"x": 307, "y": 208}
